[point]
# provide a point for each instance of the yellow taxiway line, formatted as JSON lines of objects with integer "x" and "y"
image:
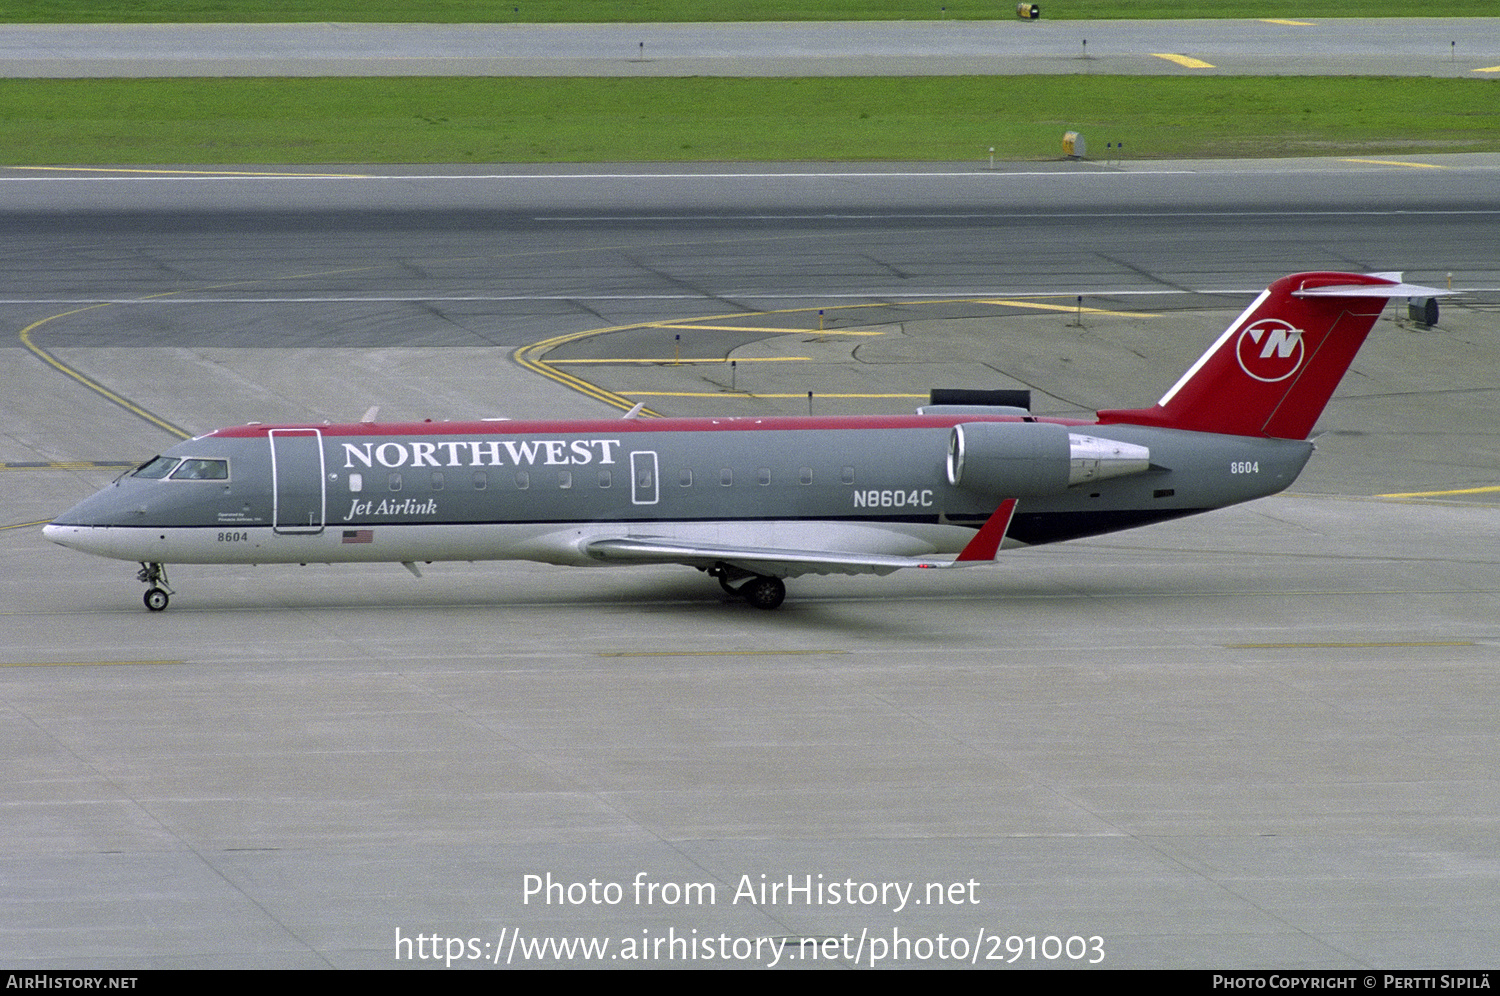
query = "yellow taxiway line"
{"x": 695, "y": 327}
{"x": 533, "y": 357}
{"x": 718, "y": 653}
{"x": 670, "y": 361}
{"x": 1038, "y": 306}
{"x": 1487, "y": 489}
{"x": 1394, "y": 162}
{"x": 817, "y": 395}
{"x": 88, "y": 382}
{"x": 1186, "y": 61}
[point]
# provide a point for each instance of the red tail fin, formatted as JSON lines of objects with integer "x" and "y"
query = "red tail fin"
{"x": 1276, "y": 366}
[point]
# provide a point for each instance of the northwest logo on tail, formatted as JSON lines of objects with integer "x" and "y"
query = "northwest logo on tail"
{"x": 1270, "y": 350}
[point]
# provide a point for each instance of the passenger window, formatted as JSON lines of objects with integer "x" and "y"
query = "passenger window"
{"x": 481, "y": 480}
{"x": 523, "y": 480}
{"x": 156, "y": 468}
{"x": 685, "y": 478}
{"x": 765, "y": 476}
{"x": 194, "y": 469}
{"x": 726, "y": 477}
{"x": 565, "y": 479}
{"x": 605, "y": 479}
{"x": 848, "y": 475}
{"x": 395, "y": 482}
{"x": 805, "y": 475}
{"x": 437, "y": 480}
{"x": 356, "y": 483}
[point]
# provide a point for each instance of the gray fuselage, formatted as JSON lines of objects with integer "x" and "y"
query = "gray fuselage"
{"x": 540, "y": 490}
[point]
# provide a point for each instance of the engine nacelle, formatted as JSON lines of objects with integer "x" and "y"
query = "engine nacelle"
{"x": 1031, "y": 459}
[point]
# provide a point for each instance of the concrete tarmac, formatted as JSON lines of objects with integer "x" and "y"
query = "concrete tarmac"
{"x": 1261, "y": 738}
{"x": 1415, "y": 46}
{"x": 1256, "y": 739}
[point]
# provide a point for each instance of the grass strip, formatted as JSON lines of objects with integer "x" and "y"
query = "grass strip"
{"x": 646, "y": 11}
{"x": 482, "y": 119}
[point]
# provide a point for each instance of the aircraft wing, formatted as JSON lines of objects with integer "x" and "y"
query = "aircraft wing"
{"x": 791, "y": 563}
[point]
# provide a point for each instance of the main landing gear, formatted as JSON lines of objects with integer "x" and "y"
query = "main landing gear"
{"x": 159, "y": 594}
{"x": 761, "y": 591}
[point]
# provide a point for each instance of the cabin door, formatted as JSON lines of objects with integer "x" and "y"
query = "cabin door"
{"x": 644, "y": 487}
{"x": 298, "y": 482}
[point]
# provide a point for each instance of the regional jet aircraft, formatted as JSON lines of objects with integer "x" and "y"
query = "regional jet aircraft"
{"x": 749, "y": 501}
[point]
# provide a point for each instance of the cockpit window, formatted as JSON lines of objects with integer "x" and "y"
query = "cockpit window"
{"x": 194, "y": 469}
{"x": 155, "y": 468}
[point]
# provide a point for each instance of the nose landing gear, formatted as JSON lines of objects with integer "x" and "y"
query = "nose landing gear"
{"x": 159, "y": 594}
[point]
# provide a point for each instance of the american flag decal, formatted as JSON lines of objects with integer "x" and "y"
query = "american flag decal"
{"x": 359, "y": 535}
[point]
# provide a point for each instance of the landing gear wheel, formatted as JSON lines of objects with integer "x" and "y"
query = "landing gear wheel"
{"x": 158, "y": 590}
{"x": 764, "y": 592}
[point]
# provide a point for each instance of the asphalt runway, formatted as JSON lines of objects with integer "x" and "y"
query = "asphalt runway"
{"x": 1406, "y": 46}
{"x": 1260, "y": 738}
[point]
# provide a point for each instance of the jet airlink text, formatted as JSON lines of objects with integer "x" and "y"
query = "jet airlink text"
{"x": 481, "y": 453}
{"x": 407, "y": 506}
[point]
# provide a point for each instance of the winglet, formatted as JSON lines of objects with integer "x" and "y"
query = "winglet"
{"x": 986, "y": 542}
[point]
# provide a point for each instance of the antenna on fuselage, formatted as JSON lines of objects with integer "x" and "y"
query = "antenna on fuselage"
{"x": 368, "y": 417}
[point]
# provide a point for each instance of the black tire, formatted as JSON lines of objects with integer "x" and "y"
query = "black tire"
{"x": 156, "y": 599}
{"x": 764, "y": 592}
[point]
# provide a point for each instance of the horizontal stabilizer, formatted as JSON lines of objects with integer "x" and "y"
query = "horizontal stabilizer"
{"x": 1373, "y": 290}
